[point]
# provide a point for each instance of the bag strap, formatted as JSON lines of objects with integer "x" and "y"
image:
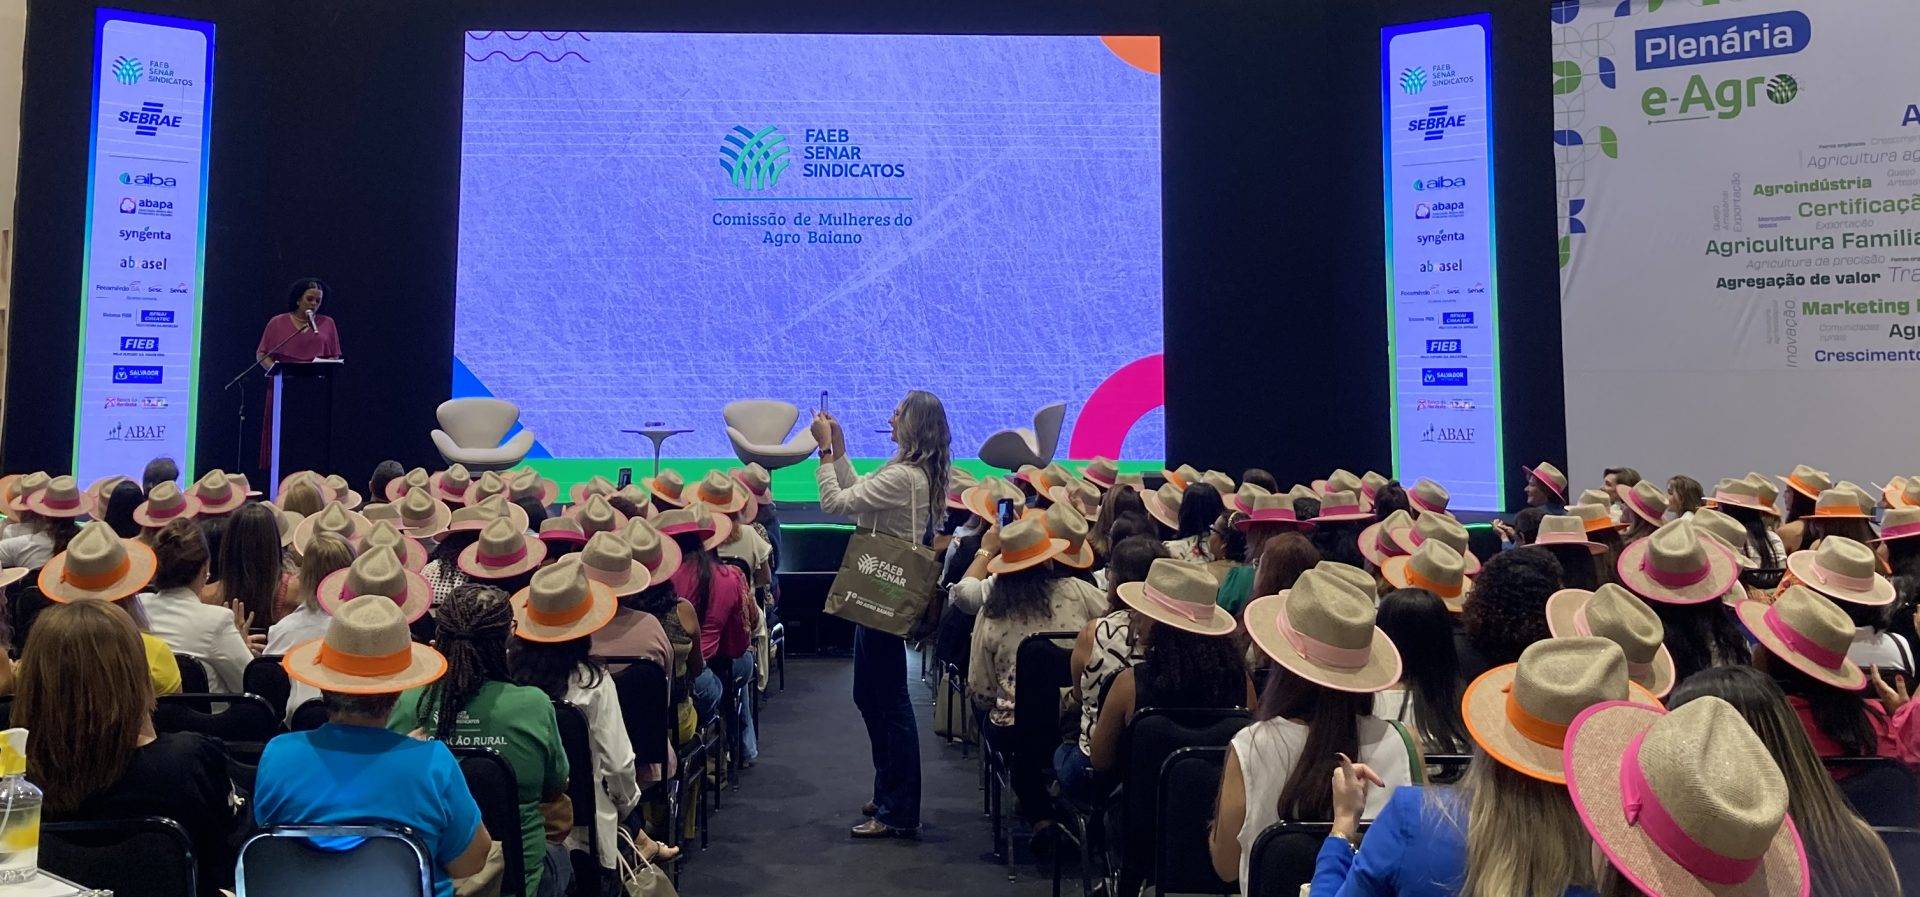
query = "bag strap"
{"x": 1416, "y": 764}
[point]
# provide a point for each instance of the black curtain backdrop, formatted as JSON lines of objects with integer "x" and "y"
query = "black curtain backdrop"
{"x": 336, "y": 153}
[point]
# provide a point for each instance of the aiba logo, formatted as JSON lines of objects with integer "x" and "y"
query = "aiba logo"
{"x": 147, "y": 180}
{"x": 1442, "y": 182}
{"x": 1435, "y": 124}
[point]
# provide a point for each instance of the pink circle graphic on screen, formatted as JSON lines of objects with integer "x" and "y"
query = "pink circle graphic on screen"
{"x": 1119, "y": 402}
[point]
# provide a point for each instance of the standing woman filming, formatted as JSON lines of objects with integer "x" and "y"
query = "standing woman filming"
{"x": 905, "y": 498}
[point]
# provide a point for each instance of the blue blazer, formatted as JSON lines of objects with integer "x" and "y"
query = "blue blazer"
{"x": 1410, "y": 851}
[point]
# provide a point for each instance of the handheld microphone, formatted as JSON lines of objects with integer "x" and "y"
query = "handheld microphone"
{"x": 311, "y": 325}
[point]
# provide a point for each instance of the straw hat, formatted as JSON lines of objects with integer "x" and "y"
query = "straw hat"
{"x": 1899, "y": 523}
{"x": 1371, "y": 483}
{"x": 1844, "y": 500}
{"x": 528, "y": 483}
{"x": 1024, "y": 543}
{"x": 563, "y": 529}
{"x": 759, "y": 483}
{"x": 377, "y": 571}
{"x": 1742, "y": 493}
{"x": 101, "y": 489}
{"x": 97, "y": 565}
{"x": 1055, "y": 474}
{"x": 311, "y": 477}
{"x": 367, "y": 650}
{"x": 1549, "y": 476}
{"x": 1565, "y": 529}
{"x": 289, "y": 523}
{"x": 1442, "y": 527}
{"x": 451, "y": 485}
{"x": 1725, "y": 530}
{"x": 1763, "y": 487}
{"x": 1164, "y": 504}
{"x": 1685, "y": 803}
{"x": 984, "y": 497}
{"x": 608, "y": 560}
{"x": 383, "y": 534}
{"x": 11, "y": 575}
{"x": 661, "y": 555}
{"x": 1677, "y": 565}
{"x": 1807, "y": 481}
{"x": 165, "y": 503}
{"x": 596, "y": 516}
{"x": 335, "y": 519}
{"x": 637, "y": 495}
{"x": 1644, "y": 500}
{"x": 1181, "y": 477}
{"x": 342, "y": 492}
{"x": 959, "y": 480}
{"x": 695, "y": 518}
{"x": 1601, "y": 497}
{"x": 1428, "y": 497}
{"x": 487, "y": 485}
{"x": 1024, "y": 474}
{"x": 1842, "y": 569}
{"x": 723, "y": 494}
{"x": 1434, "y": 566}
{"x": 1242, "y": 499}
{"x": 1135, "y": 481}
{"x": 1594, "y": 517}
{"x": 502, "y": 551}
{"x": 23, "y": 487}
{"x": 1805, "y": 629}
{"x": 475, "y": 518}
{"x": 1220, "y": 482}
{"x": 420, "y": 515}
{"x": 1271, "y": 510}
{"x": 1322, "y": 629}
{"x": 62, "y": 498}
{"x": 1341, "y": 504}
{"x": 1082, "y": 495}
{"x": 1179, "y": 594}
{"x": 562, "y": 603}
{"x": 594, "y": 485}
{"x": 1354, "y": 576}
{"x": 1901, "y": 492}
{"x": 666, "y": 488}
{"x": 1518, "y": 713}
{"x": 417, "y": 478}
{"x": 1378, "y": 542}
{"x": 1101, "y": 472}
{"x": 1063, "y": 521}
{"x": 1614, "y": 614}
{"x": 1341, "y": 480}
{"x": 219, "y": 493}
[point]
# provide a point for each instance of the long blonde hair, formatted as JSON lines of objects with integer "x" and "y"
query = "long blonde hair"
{"x": 1523, "y": 835}
{"x": 927, "y": 444}
{"x": 325, "y": 554}
{"x": 302, "y": 498}
{"x": 85, "y": 692}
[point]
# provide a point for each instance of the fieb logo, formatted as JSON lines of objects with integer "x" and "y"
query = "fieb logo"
{"x": 150, "y": 118}
{"x": 1435, "y": 124}
{"x": 1443, "y": 376}
{"x": 1440, "y": 183}
{"x": 139, "y": 344}
{"x": 1722, "y": 40}
{"x": 152, "y": 316}
{"x": 1724, "y": 100}
{"x": 1443, "y": 347}
{"x": 127, "y": 373}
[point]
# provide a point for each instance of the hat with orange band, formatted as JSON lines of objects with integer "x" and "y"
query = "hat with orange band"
{"x": 1434, "y": 566}
{"x": 368, "y": 650}
{"x": 98, "y": 565}
{"x": 1844, "y": 500}
{"x": 1025, "y": 543}
{"x": 1519, "y": 713}
{"x": 562, "y": 603}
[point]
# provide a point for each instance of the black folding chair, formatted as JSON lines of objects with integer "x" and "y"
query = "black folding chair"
{"x": 194, "y": 677}
{"x": 1040, "y": 671}
{"x": 265, "y": 677}
{"x": 495, "y": 788}
{"x": 1153, "y": 736}
{"x": 578, "y": 744}
{"x": 1904, "y": 845}
{"x": 646, "y": 706}
{"x": 1182, "y": 858}
{"x": 331, "y": 860}
{"x": 142, "y": 857}
{"x": 1881, "y": 789}
{"x": 237, "y": 719}
{"x": 1283, "y": 857}
{"x": 310, "y": 715}
{"x": 777, "y": 644}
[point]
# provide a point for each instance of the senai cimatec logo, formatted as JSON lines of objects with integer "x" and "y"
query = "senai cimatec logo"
{"x": 126, "y": 70}
{"x": 754, "y": 159}
{"x": 1413, "y": 80}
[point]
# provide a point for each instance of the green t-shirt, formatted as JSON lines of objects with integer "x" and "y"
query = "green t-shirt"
{"x": 516, "y": 722}
{"x": 1236, "y": 589}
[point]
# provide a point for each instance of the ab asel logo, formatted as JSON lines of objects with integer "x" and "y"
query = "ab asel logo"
{"x": 1722, "y": 40}
{"x": 1435, "y": 124}
{"x": 1435, "y": 239}
{"x": 1440, "y": 183}
{"x": 1727, "y": 99}
{"x": 1448, "y": 435}
{"x": 879, "y": 569}
{"x": 1441, "y": 266}
{"x": 139, "y": 344}
{"x": 150, "y": 118}
{"x": 1443, "y": 376}
{"x": 147, "y": 180}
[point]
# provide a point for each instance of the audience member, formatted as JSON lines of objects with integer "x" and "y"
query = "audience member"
{"x": 1426, "y": 700}
{"x": 718, "y": 592}
{"x": 101, "y": 566}
{"x": 121, "y": 502}
{"x": 384, "y": 474}
{"x": 253, "y": 569}
{"x": 175, "y": 614}
{"x": 1683, "y": 495}
{"x": 1802, "y": 640}
{"x": 1506, "y": 609}
{"x": 1105, "y": 647}
{"x": 1683, "y": 575}
{"x": 159, "y": 470}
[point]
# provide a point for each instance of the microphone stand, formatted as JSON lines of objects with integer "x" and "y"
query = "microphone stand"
{"x": 240, "y": 433}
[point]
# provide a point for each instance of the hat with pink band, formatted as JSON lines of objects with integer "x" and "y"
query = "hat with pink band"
{"x": 1179, "y": 594}
{"x": 1323, "y": 630}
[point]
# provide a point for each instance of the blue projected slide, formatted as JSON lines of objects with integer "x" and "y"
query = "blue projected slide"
{"x": 654, "y": 225}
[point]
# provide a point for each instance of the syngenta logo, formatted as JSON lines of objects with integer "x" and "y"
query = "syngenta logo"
{"x": 1722, "y": 40}
{"x": 1413, "y": 80}
{"x": 754, "y": 159}
{"x": 126, "y": 71}
{"x": 1726, "y": 99}
{"x": 872, "y": 566}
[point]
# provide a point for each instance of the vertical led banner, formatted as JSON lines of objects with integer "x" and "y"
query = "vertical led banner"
{"x": 145, "y": 243}
{"x": 1443, "y": 334}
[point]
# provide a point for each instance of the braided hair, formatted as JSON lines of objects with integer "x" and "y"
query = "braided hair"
{"x": 474, "y": 623}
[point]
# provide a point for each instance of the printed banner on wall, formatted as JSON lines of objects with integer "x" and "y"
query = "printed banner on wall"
{"x": 145, "y": 243}
{"x": 1739, "y": 188}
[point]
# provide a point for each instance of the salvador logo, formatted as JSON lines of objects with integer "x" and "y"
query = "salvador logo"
{"x": 754, "y": 159}
{"x": 126, "y": 71}
{"x": 1413, "y": 80}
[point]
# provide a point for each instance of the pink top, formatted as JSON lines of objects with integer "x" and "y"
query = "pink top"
{"x": 723, "y": 629}
{"x": 304, "y": 346}
{"x": 1899, "y": 734}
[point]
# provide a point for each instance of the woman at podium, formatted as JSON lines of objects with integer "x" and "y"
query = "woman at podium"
{"x": 302, "y": 333}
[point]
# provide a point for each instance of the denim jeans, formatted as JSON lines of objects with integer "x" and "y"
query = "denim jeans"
{"x": 708, "y": 691}
{"x": 880, "y": 691}
{"x": 556, "y": 871}
{"x": 1075, "y": 772}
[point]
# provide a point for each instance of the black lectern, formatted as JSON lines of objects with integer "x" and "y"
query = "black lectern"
{"x": 302, "y": 418}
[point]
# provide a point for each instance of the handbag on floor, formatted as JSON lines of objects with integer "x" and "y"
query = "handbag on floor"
{"x": 638, "y": 876}
{"x": 885, "y": 583}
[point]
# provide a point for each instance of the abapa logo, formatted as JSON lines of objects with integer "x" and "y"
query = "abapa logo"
{"x": 1413, "y": 80}
{"x": 127, "y": 71}
{"x": 754, "y": 159}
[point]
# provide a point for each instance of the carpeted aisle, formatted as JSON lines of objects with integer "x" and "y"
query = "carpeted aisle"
{"x": 784, "y": 832}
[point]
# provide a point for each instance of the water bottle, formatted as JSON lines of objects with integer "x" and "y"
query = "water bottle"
{"x": 19, "y": 812}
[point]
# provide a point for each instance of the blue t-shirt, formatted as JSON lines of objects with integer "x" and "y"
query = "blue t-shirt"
{"x": 1411, "y": 850}
{"x": 354, "y": 775}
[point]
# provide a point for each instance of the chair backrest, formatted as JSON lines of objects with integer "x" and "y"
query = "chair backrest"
{"x": 646, "y": 706}
{"x": 1182, "y": 861}
{"x": 194, "y": 678}
{"x": 1904, "y": 845}
{"x": 331, "y": 860}
{"x": 310, "y": 715}
{"x": 247, "y": 719}
{"x": 1881, "y": 789}
{"x": 141, "y": 857}
{"x": 495, "y": 788}
{"x": 1151, "y": 738}
{"x": 765, "y": 421}
{"x": 1283, "y": 857}
{"x": 265, "y": 677}
{"x": 1042, "y": 669}
{"x": 1046, "y": 428}
{"x": 577, "y": 742}
{"x": 477, "y": 422}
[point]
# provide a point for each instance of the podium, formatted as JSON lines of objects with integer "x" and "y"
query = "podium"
{"x": 301, "y": 418}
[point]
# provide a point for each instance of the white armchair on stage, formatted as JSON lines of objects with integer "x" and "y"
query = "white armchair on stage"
{"x": 1011, "y": 449}
{"x": 470, "y": 433}
{"x": 758, "y": 429}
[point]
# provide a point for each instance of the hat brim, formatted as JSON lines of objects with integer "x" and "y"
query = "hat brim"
{"x": 975, "y": 499}
{"x": 1805, "y": 571}
{"x": 1094, "y": 480}
{"x": 515, "y": 513}
{"x": 1484, "y": 708}
{"x": 1133, "y": 594}
{"x": 1790, "y": 484}
{"x": 653, "y": 486}
{"x": 1370, "y": 545}
{"x": 143, "y": 514}
{"x": 1342, "y": 518}
{"x": 446, "y": 492}
{"x": 1380, "y": 672}
{"x": 1395, "y": 572}
{"x": 670, "y": 558}
{"x": 638, "y": 578}
{"x": 37, "y": 503}
{"x": 140, "y": 566}
{"x": 469, "y": 562}
{"x": 570, "y": 537}
{"x": 1563, "y": 606}
{"x": 1597, "y": 746}
{"x": 1722, "y": 573}
{"x": 303, "y": 534}
{"x": 1080, "y": 558}
{"x": 435, "y": 525}
{"x": 11, "y": 575}
{"x": 1752, "y": 614}
{"x": 302, "y": 663}
{"x": 1753, "y": 505}
{"x": 1247, "y": 523}
{"x": 600, "y": 610}
{"x": 1623, "y": 492}
{"x": 1414, "y": 501}
{"x": 1592, "y": 546}
{"x": 999, "y": 564}
{"x": 397, "y": 488}
{"x": 414, "y": 604}
{"x": 1558, "y": 491}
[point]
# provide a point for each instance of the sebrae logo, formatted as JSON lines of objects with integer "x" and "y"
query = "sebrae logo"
{"x": 754, "y": 159}
{"x": 1435, "y": 124}
{"x": 127, "y": 70}
{"x": 1413, "y": 80}
{"x": 868, "y": 565}
{"x": 151, "y": 117}
{"x": 1727, "y": 99}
